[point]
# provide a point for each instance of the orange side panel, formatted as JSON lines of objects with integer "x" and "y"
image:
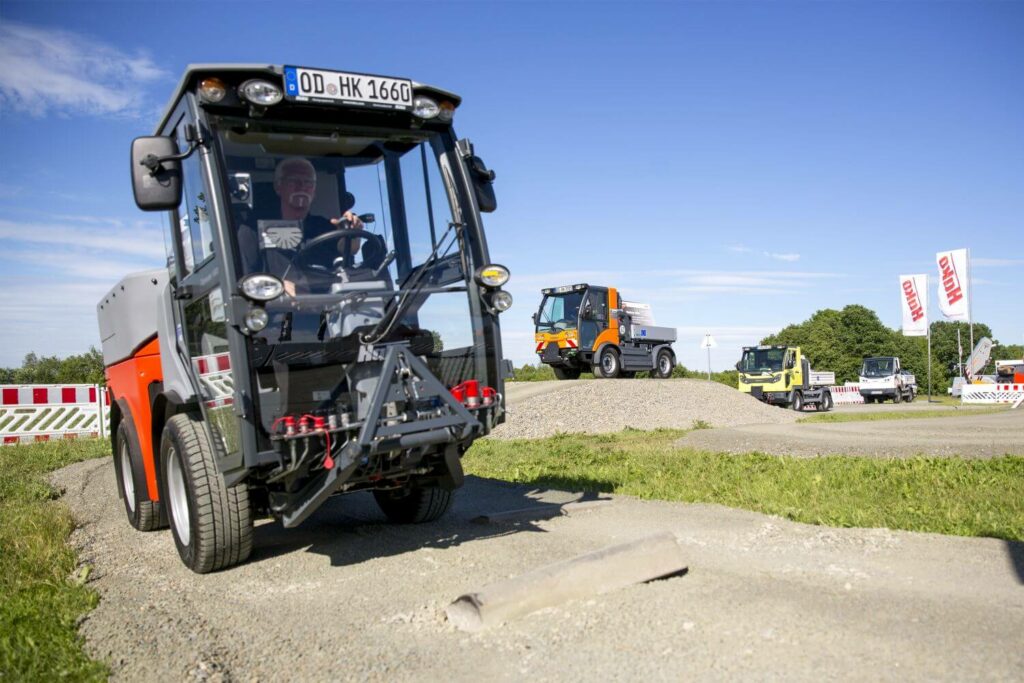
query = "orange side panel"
{"x": 611, "y": 334}
{"x": 130, "y": 380}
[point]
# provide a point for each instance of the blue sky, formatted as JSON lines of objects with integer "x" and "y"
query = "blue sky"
{"x": 736, "y": 165}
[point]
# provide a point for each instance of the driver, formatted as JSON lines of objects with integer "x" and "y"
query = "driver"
{"x": 295, "y": 187}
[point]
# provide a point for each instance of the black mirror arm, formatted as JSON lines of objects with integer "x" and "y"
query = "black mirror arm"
{"x": 153, "y": 162}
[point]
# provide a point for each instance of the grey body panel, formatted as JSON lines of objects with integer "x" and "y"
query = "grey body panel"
{"x": 127, "y": 314}
{"x": 652, "y": 333}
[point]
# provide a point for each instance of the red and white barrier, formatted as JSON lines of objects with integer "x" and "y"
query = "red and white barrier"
{"x": 846, "y": 394}
{"x": 992, "y": 393}
{"x": 44, "y": 412}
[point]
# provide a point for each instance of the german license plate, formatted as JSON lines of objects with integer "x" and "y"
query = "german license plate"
{"x": 339, "y": 87}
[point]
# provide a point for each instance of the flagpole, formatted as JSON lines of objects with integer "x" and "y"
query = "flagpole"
{"x": 929, "y": 323}
{"x": 970, "y": 297}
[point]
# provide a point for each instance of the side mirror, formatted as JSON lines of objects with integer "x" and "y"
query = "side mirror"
{"x": 483, "y": 180}
{"x": 738, "y": 363}
{"x": 534, "y": 318}
{"x": 156, "y": 180}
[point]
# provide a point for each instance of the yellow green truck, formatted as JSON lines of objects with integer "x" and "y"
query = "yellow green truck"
{"x": 782, "y": 376}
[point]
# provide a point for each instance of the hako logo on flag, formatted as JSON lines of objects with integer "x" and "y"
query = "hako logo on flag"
{"x": 954, "y": 296}
{"x": 914, "y": 295}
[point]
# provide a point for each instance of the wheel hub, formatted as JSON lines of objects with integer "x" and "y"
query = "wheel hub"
{"x": 177, "y": 497}
{"x": 127, "y": 481}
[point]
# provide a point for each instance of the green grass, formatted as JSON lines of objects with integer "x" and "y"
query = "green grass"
{"x": 874, "y": 416}
{"x": 40, "y": 601}
{"x": 941, "y": 495}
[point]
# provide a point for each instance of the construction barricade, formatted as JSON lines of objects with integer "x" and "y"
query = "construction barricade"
{"x": 45, "y": 412}
{"x": 846, "y": 394}
{"x": 992, "y": 393}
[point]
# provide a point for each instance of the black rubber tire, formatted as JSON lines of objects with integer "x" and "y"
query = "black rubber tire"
{"x": 143, "y": 513}
{"x": 897, "y": 397}
{"x": 608, "y": 365}
{"x": 566, "y": 373}
{"x": 219, "y": 518}
{"x": 664, "y": 364}
{"x": 911, "y": 396}
{"x": 798, "y": 401}
{"x": 414, "y": 505}
{"x": 826, "y": 402}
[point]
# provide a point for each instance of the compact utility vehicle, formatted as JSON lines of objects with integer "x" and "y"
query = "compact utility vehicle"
{"x": 581, "y": 328}
{"x": 283, "y": 356}
{"x": 782, "y": 376}
{"x": 883, "y": 377}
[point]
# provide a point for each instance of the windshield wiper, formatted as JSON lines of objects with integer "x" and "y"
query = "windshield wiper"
{"x": 384, "y": 327}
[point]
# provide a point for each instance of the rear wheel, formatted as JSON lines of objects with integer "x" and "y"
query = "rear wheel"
{"x": 414, "y": 505}
{"x": 826, "y": 402}
{"x": 143, "y": 514}
{"x": 798, "y": 401}
{"x": 566, "y": 373}
{"x": 663, "y": 365}
{"x": 212, "y": 523}
{"x": 608, "y": 364}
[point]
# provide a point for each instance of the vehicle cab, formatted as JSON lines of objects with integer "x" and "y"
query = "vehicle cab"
{"x": 330, "y": 311}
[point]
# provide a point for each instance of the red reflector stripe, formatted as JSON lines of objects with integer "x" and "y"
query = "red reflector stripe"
{"x": 92, "y": 394}
{"x": 68, "y": 395}
{"x": 10, "y": 397}
{"x": 40, "y": 396}
{"x": 10, "y": 439}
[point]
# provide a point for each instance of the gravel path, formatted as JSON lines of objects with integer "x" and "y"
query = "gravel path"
{"x": 348, "y": 597}
{"x": 971, "y": 436}
{"x": 595, "y": 406}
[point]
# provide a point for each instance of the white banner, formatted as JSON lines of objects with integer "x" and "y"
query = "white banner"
{"x": 953, "y": 283}
{"x": 914, "y": 295}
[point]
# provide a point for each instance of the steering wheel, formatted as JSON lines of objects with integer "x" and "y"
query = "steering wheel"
{"x": 304, "y": 254}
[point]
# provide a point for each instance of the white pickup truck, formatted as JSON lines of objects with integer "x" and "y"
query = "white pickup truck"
{"x": 882, "y": 378}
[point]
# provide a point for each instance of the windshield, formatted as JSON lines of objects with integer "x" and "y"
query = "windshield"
{"x": 347, "y": 215}
{"x": 762, "y": 360}
{"x": 877, "y": 367}
{"x": 559, "y": 311}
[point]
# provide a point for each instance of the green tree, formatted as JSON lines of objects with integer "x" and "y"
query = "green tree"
{"x": 85, "y": 368}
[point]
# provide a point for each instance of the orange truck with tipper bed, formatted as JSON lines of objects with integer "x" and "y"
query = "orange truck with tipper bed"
{"x": 292, "y": 350}
{"x": 589, "y": 328}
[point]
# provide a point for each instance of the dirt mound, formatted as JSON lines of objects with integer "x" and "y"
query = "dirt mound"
{"x": 598, "y": 406}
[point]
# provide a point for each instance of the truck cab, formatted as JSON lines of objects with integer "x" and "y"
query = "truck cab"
{"x": 328, "y": 320}
{"x": 882, "y": 377}
{"x": 781, "y": 375}
{"x": 589, "y": 328}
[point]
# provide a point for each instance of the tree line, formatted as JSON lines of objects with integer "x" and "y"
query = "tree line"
{"x": 840, "y": 340}
{"x": 85, "y": 368}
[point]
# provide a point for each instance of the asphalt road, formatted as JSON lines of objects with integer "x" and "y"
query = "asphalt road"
{"x": 348, "y": 596}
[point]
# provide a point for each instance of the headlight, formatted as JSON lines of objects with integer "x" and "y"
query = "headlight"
{"x": 212, "y": 90}
{"x": 256, "y": 319}
{"x": 424, "y": 107}
{"x": 492, "y": 275}
{"x": 261, "y": 287}
{"x": 446, "y": 112}
{"x": 501, "y": 301}
{"x": 260, "y": 92}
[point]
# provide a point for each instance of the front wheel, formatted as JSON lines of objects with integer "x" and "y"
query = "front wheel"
{"x": 798, "y": 401}
{"x": 826, "y": 402}
{"x": 566, "y": 373}
{"x": 664, "y": 364}
{"x": 608, "y": 364}
{"x": 414, "y": 505}
{"x": 897, "y": 397}
{"x": 212, "y": 523}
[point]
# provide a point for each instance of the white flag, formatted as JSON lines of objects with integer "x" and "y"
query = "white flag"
{"x": 914, "y": 295}
{"x": 953, "y": 283}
